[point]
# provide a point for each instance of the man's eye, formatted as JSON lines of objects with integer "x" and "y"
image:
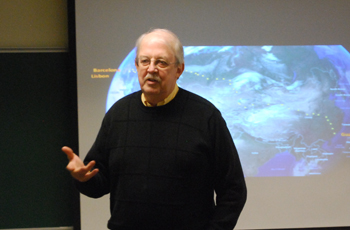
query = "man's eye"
{"x": 162, "y": 64}
{"x": 144, "y": 62}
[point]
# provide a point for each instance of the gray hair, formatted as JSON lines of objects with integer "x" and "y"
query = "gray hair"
{"x": 174, "y": 44}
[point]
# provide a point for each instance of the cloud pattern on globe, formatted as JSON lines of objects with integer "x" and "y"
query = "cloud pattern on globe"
{"x": 287, "y": 107}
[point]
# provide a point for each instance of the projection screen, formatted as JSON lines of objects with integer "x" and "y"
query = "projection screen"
{"x": 279, "y": 71}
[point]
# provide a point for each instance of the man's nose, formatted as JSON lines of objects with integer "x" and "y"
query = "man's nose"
{"x": 152, "y": 67}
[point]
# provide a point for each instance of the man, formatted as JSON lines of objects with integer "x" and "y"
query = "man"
{"x": 162, "y": 152}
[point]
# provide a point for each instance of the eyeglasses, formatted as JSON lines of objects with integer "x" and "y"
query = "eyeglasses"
{"x": 159, "y": 63}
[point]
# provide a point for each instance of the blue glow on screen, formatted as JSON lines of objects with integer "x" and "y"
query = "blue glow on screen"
{"x": 287, "y": 107}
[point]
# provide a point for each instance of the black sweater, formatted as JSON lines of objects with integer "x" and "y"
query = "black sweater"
{"x": 161, "y": 166}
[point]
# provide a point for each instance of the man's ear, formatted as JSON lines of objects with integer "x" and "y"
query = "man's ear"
{"x": 180, "y": 69}
{"x": 136, "y": 63}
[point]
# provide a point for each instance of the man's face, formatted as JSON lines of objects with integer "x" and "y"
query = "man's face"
{"x": 157, "y": 68}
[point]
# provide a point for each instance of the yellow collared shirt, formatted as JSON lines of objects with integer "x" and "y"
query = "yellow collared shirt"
{"x": 165, "y": 101}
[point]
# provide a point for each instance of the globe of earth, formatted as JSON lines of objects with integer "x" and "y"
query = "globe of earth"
{"x": 287, "y": 107}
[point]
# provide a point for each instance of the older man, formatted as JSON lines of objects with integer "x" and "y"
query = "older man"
{"x": 162, "y": 152}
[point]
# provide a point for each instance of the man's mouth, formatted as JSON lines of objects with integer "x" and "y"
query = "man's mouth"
{"x": 152, "y": 78}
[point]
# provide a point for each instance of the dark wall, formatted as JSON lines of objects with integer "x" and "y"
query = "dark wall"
{"x": 38, "y": 116}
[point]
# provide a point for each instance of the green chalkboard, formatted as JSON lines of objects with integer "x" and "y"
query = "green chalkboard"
{"x": 38, "y": 116}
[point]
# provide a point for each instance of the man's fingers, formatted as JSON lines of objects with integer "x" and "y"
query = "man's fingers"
{"x": 83, "y": 175}
{"x": 77, "y": 168}
{"x": 69, "y": 152}
{"x": 91, "y": 174}
{"x": 90, "y": 165}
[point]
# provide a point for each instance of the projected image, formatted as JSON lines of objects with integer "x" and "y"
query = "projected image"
{"x": 287, "y": 107}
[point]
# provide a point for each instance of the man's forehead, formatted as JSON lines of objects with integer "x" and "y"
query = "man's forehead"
{"x": 149, "y": 43}
{"x": 149, "y": 39}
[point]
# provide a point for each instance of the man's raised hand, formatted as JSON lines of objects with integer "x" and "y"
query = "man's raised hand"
{"x": 76, "y": 167}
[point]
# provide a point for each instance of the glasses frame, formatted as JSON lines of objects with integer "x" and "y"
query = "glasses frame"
{"x": 157, "y": 63}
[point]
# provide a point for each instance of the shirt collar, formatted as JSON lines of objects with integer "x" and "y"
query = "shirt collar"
{"x": 165, "y": 101}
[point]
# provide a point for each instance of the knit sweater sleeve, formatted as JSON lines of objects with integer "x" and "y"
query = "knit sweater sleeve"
{"x": 229, "y": 183}
{"x": 98, "y": 185}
